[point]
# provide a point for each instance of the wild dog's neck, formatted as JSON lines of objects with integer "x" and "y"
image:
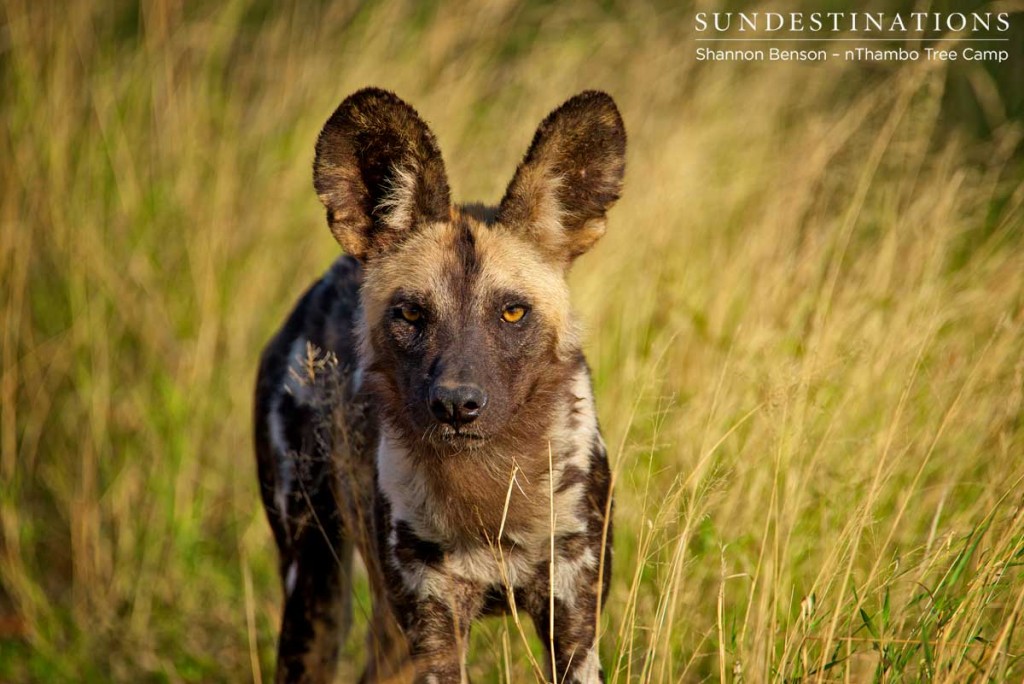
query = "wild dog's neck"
{"x": 472, "y": 494}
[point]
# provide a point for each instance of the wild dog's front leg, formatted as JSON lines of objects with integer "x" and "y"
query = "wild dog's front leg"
{"x": 434, "y": 607}
{"x": 574, "y": 643}
{"x": 578, "y": 578}
{"x": 317, "y": 608}
{"x": 438, "y": 634}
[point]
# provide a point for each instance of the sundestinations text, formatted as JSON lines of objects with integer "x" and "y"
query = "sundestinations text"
{"x": 852, "y": 21}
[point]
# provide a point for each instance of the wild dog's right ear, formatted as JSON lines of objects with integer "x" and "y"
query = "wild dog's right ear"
{"x": 379, "y": 172}
{"x": 570, "y": 177}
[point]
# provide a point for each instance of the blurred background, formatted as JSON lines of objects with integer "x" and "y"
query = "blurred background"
{"x": 806, "y": 325}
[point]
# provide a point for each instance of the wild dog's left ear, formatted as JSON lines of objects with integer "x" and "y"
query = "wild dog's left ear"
{"x": 379, "y": 173}
{"x": 570, "y": 177}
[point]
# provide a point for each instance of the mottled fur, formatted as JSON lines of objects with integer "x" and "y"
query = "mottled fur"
{"x": 454, "y": 507}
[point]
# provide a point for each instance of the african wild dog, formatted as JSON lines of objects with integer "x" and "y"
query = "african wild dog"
{"x": 427, "y": 402}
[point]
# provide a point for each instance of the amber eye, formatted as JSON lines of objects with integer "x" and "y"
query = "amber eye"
{"x": 411, "y": 312}
{"x": 513, "y": 314}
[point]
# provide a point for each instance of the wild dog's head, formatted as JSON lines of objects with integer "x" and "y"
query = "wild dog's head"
{"x": 466, "y": 333}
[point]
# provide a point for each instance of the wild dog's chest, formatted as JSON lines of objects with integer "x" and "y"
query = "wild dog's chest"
{"x": 445, "y": 520}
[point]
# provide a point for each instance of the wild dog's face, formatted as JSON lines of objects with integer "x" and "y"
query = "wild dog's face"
{"x": 466, "y": 331}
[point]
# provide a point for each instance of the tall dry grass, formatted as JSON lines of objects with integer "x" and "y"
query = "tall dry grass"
{"x": 806, "y": 327}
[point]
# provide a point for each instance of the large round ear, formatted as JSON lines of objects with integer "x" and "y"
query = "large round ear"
{"x": 570, "y": 177}
{"x": 379, "y": 173}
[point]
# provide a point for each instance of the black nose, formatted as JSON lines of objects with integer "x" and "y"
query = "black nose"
{"x": 456, "y": 404}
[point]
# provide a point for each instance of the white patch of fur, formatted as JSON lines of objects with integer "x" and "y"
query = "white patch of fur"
{"x": 590, "y": 671}
{"x": 574, "y": 443}
{"x": 565, "y": 578}
{"x": 282, "y": 456}
{"x": 397, "y": 203}
{"x": 291, "y": 577}
{"x": 485, "y": 565}
{"x": 420, "y": 580}
{"x": 567, "y": 517}
{"x": 582, "y": 437}
{"x": 406, "y": 495}
{"x": 400, "y": 484}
